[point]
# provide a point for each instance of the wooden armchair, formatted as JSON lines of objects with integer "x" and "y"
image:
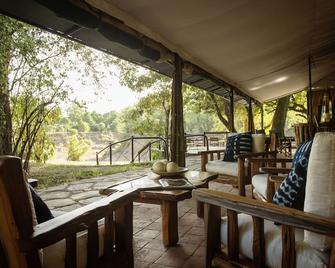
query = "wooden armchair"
{"x": 262, "y": 234}
{"x": 240, "y": 170}
{"x": 74, "y": 239}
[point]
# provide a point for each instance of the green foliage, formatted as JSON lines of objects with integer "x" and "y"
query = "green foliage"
{"x": 77, "y": 147}
{"x": 43, "y": 148}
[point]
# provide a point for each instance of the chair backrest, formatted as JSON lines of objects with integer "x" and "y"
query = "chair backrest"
{"x": 16, "y": 220}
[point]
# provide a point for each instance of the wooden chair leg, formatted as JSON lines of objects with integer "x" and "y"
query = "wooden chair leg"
{"x": 288, "y": 246}
{"x": 212, "y": 231}
{"x": 124, "y": 233}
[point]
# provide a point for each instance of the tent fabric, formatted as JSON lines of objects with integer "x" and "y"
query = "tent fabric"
{"x": 261, "y": 47}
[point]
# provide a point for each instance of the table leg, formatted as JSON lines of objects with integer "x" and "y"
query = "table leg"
{"x": 200, "y": 205}
{"x": 200, "y": 209}
{"x": 169, "y": 223}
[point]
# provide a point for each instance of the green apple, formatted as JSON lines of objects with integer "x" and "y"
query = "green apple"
{"x": 159, "y": 166}
{"x": 172, "y": 167}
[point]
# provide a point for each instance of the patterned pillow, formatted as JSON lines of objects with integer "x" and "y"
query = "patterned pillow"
{"x": 229, "y": 152}
{"x": 291, "y": 192}
{"x": 302, "y": 148}
{"x": 243, "y": 143}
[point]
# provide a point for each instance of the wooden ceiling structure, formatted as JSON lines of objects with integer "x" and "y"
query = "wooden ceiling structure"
{"x": 245, "y": 51}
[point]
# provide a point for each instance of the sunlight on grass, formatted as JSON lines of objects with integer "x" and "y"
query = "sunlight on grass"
{"x": 52, "y": 175}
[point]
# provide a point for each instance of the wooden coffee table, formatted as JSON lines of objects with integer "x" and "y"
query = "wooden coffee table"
{"x": 150, "y": 191}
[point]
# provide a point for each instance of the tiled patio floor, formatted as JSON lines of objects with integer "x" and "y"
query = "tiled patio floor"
{"x": 148, "y": 248}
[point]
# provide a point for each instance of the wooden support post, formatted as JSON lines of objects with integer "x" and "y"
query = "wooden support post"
{"x": 231, "y": 119}
{"x": 250, "y": 116}
{"x": 177, "y": 118}
{"x": 262, "y": 117}
{"x": 309, "y": 95}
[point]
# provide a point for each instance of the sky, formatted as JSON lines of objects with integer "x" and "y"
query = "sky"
{"x": 112, "y": 96}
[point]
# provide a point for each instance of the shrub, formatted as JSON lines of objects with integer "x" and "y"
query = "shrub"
{"x": 77, "y": 147}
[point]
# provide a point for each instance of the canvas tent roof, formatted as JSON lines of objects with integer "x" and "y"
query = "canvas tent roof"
{"x": 260, "y": 47}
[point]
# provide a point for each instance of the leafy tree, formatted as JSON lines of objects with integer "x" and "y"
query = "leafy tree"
{"x": 33, "y": 68}
{"x": 158, "y": 99}
{"x": 77, "y": 147}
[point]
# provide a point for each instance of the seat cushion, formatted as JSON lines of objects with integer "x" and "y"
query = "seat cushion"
{"x": 259, "y": 182}
{"x": 54, "y": 255}
{"x": 320, "y": 185}
{"x": 224, "y": 168}
{"x": 306, "y": 256}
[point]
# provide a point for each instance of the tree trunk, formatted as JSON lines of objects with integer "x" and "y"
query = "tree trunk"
{"x": 223, "y": 120}
{"x": 279, "y": 118}
{"x": 5, "y": 111}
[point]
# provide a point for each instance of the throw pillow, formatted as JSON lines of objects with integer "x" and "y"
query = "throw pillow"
{"x": 291, "y": 192}
{"x": 229, "y": 152}
{"x": 243, "y": 143}
{"x": 302, "y": 148}
{"x": 42, "y": 211}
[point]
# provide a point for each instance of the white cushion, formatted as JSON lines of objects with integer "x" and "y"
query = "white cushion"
{"x": 258, "y": 143}
{"x": 54, "y": 255}
{"x": 306, "y": 256}
{"x": 224, "y": 167}
{"x": 259, "y": 182}
{"x": 320, "y": 185}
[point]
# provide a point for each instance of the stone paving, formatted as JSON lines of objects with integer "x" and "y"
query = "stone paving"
{"x": 148, "y": 248}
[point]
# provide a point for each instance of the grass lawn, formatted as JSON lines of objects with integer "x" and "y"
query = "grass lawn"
{"x": 51, "y": 174}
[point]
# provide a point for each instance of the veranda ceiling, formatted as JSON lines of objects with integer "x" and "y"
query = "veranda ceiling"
{"x": 260, "y": 47}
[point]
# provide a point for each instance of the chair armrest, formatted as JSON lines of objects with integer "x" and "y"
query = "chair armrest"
{"x": 70, "y": 223}
{"x": 211, "y": 151}
{"x": 270, "y": 160}
{"x": 275, "y": 170}
{"x": 276, "y": 179}
{"x": 248, "y": 155}
{"x": 269, "y": 211}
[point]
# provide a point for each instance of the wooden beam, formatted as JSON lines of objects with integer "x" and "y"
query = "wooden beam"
{"x": 177, "y": 118}
{"x": 231, "y": 120}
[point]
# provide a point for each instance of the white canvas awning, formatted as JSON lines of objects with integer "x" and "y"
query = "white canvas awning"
{"x": 261, "y": 47}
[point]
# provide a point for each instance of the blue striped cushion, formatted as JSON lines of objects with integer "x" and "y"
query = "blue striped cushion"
{"x": 243, "y": 143}
{"x": 302, "y": 148}
{"x": 229, "y": 152}
{"x": 291, "y": 192}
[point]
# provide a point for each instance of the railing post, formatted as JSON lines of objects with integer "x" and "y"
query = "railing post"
{"x": 132, "y": 149}
{"x": 205, "y": 139}
{"x": 149, "y": 151}
{"x": 110, "y": 154}
{"x": 97, "y": 158}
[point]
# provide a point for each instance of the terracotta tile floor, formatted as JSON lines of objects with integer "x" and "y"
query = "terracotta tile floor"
{"x": 190, "y": 251}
